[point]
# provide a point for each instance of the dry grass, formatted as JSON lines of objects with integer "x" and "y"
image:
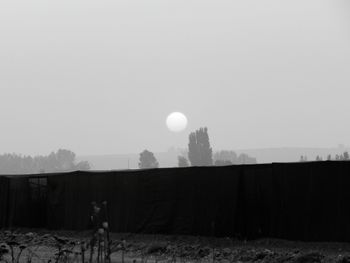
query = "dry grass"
{"x": 65, "y": 247}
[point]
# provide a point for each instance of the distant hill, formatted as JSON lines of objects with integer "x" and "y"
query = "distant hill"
{"x": 169, "y": 158}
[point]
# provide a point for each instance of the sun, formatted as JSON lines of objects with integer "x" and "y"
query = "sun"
{"x": 176, "y": 122}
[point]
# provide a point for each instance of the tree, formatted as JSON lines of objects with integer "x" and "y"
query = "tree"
{"x": 60, "y": 161}
{"x": 182, "y": 161}
{"x": 346, "y": 156}
{"x": 65, "y": 160}
{"x": 225, "y": 156}
{"x": 303, "y": 158}
{"x": 199, "y": 150}
{"x": 147, "y": 160}
{"x": 246, "y": 159}
{"x": 83, "y": 166}
{"x": 193, "y": 150}
{"x": 329, "y": 157}
{"x": 222, "y": 162}
{"x": 318, "y": 158}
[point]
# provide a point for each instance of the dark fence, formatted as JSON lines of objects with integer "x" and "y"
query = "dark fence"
{"x": 299, "y": 201}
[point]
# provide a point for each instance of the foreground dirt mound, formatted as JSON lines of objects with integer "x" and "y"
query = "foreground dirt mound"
{"x": 43, "y": 246}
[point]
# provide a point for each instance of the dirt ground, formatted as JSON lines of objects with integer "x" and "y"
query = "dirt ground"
{"x": 42, "y": 246}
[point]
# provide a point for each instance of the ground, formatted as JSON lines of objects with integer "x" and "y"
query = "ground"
{"x": 42, "y": 246}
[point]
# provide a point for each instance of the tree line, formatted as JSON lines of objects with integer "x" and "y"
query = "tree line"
{"x": 338, "y": 157}
{"x": 60, "y": 161}
{"x": 200, "y": 153}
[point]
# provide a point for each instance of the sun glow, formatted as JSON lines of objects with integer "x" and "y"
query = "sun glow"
{"x": 176, "y": 122}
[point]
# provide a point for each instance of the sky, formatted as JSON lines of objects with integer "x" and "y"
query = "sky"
{"x": 100, "y": 77}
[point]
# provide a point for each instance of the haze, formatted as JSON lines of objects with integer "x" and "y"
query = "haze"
{"x": 100, "y": 77}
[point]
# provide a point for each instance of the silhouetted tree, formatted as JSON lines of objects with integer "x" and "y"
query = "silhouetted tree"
{"x": 337, "y": 157}
{"x": 182, "y": 161}
{"x": 329, "y": 157}
{"x": 318, "y": 158}
{"x": 147, "y": 160}
{"x": 199, "y": 150}
{"x": 346, "y": 156}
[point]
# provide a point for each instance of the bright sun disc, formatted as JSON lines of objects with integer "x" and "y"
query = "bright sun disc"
{"x": 176, "y": 122}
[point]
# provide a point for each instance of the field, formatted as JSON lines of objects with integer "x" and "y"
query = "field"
{"x": 43, "y": 246}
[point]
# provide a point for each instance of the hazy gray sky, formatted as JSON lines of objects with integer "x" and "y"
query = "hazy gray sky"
{"x": 101, "y": 76}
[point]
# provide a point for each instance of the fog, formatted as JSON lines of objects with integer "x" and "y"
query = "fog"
{"x": 100, "y": 77}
